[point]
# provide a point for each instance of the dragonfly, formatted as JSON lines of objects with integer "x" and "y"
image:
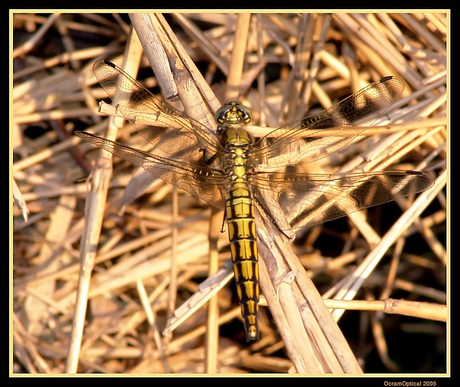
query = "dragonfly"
{"x": 256, "y": 179}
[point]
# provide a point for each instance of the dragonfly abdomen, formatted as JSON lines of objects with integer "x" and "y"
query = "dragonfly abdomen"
{"x": 243, "y": 246}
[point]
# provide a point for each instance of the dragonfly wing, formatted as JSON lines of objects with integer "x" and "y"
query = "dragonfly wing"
{"x": 198, "y": 179}
{"x": 310, "y": 139}
{"x": 309, "y": 199}
{"x": 164, "y": 126}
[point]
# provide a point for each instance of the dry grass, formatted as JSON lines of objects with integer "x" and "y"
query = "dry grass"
{"x": 93, "y": 286}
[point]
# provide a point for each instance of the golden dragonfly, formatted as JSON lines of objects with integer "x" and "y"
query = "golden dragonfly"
{"x": 227, "y": 168}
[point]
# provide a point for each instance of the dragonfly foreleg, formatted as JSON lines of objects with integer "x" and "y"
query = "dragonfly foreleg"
{"x": 210, "y": 160}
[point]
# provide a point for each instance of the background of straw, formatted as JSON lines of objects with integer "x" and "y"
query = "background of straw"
{"x": 132, "y": 269}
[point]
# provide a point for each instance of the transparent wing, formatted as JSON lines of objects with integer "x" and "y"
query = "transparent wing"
{"x": 316, "y": 198}
{"x": 196, "y": 178}
{"x": 310, "y": 139}
{"x": 165, "y": 127}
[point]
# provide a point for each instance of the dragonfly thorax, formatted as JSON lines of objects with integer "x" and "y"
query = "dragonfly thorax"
{"x": 235, "y": 137}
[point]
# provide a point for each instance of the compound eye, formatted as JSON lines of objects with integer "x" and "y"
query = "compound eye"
{"x": 245, "y": 113}
{"x": 221, "y": 113}
{"x": 233, "y": 112}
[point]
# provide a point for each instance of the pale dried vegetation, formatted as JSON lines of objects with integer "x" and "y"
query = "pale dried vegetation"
{"x": 99, "y": 265}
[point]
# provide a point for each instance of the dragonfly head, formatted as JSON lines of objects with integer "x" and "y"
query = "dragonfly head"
{"x": 233, "y": 115}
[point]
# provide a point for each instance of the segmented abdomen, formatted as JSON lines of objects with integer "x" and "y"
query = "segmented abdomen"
{"x": 243, "y": 246}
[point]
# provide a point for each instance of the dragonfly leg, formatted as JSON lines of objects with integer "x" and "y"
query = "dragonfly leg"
{"x": 210, "y": 160}
{"x": 265, "y": 209}
{"x": 222, "y": 229}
